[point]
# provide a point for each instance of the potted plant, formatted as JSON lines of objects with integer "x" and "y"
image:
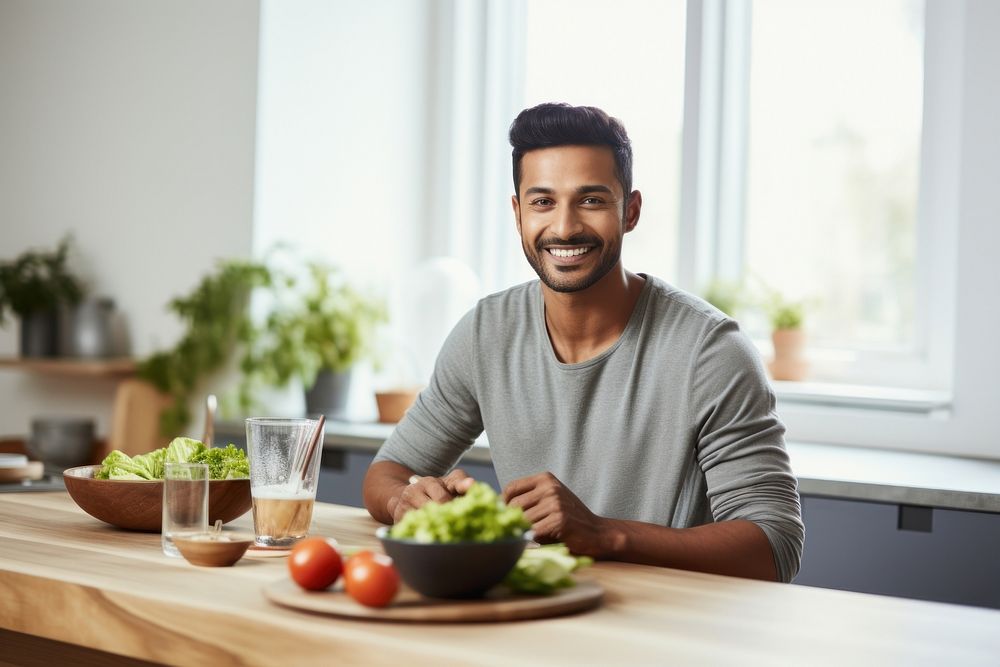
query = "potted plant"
{"x": 787, "y": 335}
{"x": 397, "y": 383}
{"x": 217, "y": 320}
{"x": 316, "y": 336}
{"x": 33, "y": 287}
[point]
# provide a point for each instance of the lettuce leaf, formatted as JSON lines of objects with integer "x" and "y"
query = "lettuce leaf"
{"x": 119, "y": 465}
{"x": 151, "y": 463}
{"x": 544, "y": 570}
{"x": 183, "y": 450}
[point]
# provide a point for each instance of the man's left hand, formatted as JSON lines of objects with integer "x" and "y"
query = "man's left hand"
{"x": 556, "y": 514}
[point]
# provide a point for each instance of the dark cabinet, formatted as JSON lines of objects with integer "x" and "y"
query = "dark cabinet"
{"x": 921, "y": 553}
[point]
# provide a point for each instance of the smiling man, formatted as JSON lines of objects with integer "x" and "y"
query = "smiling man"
{"x": 629, "y": 419}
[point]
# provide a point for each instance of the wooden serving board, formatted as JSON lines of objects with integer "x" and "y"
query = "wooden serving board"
{"x": 409, "y": 606}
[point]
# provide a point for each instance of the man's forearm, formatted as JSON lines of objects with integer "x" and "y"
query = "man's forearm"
{"x": 385, "y": 480}
{"x": 736, "y": 548}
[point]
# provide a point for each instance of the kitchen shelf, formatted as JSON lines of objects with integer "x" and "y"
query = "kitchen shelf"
{"x": 115, "y": 367}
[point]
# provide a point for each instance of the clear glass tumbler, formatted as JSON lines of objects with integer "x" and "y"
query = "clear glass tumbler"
{"x": 283, "y": 478}
{"x": 185, "y": 503}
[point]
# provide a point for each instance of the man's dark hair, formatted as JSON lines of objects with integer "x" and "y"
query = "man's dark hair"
{"x": 561, "y": 124}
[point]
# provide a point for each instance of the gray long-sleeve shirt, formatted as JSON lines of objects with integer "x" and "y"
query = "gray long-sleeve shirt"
{"x": 673, "y": 425}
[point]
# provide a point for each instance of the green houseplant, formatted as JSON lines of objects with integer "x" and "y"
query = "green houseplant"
{"x": 316, "y": 336}
{"x": 325, "y": 330}
{"x": 787, "y": 335}
{"x": 217, "y": 320}
{"x": 785, "y": 315}
{"x": 33, "y": 287}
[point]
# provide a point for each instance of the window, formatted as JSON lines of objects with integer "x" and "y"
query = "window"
{"x": 833, "y": 157}
{"x": 804, "y": 133}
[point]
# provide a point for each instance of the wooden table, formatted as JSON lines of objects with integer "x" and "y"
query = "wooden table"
{"x": 66, "y": 577}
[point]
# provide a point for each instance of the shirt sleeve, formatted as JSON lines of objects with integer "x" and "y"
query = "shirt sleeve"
{"x": 445, "y": 419}
{"x": 741, "y": 444}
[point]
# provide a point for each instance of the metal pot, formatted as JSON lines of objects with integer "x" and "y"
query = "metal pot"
{"x": 328, "y": 395}
{"x": 40, "y": 333}
{"x": 90, "y": 329}
{"x": 62, "y": 442}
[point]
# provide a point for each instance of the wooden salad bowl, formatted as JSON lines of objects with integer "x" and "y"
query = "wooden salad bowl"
{"x": 138, "y": 504}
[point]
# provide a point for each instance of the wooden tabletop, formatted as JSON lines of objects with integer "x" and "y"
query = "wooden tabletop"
{"x": 67, "y": 577}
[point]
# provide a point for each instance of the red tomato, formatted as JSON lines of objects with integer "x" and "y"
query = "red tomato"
{"x": 371, "y": 579}
{"x": 315, "y": 563}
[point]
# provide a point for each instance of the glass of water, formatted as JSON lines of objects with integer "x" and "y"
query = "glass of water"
{"x": 185, "y": 503}
{"x": 284, "y": 474}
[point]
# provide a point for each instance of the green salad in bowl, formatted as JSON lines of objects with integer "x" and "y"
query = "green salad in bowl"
{"x": 127, "y": 491}
{"x": 467, "y": 546}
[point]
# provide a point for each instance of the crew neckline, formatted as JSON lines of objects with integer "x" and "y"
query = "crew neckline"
{"x": 630, "y": 332}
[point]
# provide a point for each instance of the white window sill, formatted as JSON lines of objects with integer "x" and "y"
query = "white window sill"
{"x": 865, "y": 397}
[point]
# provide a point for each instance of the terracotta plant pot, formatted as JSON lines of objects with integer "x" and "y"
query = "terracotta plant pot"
{"x": 393, "y": 404}
{"x": 789, "y": 361}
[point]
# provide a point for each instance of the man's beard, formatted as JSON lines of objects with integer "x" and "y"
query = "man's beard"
{"x": 562, "y": 279}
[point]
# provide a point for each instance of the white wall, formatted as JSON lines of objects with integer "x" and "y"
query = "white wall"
{"x": 341, "y": 132}
{"x": 130, "y": 124}
{"x": 344, "y": 153}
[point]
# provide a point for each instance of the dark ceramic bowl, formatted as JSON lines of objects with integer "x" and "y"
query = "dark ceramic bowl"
{"x": 138, "y": 504}
{"x": 456, "y": 570}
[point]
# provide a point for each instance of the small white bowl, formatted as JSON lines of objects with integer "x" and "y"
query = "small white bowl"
{"x": 13, "y": 460}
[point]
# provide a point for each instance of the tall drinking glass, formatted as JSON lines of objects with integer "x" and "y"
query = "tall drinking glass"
{"x": 185, "y": 503}
{"x": 282, "y": 481}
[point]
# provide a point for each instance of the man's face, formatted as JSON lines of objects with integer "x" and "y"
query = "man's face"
{"x": 570, "y": 215}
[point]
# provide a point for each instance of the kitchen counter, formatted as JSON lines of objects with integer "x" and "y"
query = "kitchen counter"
{"x": 81, "y": 585}
{"x": 838, "y": 471}
{"x": 906, "y": 478}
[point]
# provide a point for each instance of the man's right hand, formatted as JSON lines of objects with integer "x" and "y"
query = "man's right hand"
{"x": 391, "y": 490}
{"x": 421, "y": 490}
